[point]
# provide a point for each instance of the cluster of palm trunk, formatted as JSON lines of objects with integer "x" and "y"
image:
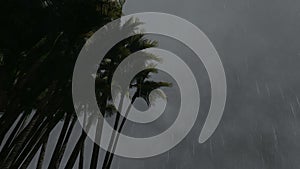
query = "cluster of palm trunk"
{"x": 40, "y": 41}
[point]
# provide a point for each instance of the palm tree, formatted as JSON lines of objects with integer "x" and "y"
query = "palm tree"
{"x": 41, "y": 42}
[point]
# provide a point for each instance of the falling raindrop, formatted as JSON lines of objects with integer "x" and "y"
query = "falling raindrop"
{"x": 293, "y": 111}
{"x": 238, "y": 79}
{"x": 281, "y": 92}
{"x": 298, "y": 101}
{"x": 118, "y": 166}
{"x": 222, "y": 139}
{"x": 193, "y": 147}
{"x": 247, "y": 65}
{"x": 275, "y": 138}
{"x": 268, "y": 90}
{"x": 211, "y": 148}
{"x": 257, "y": 88}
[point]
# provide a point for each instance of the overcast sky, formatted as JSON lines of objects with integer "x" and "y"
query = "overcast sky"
{"x": 258, "y": 42}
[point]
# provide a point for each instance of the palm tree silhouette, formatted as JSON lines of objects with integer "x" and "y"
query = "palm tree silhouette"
{"x": 42, "y": 40}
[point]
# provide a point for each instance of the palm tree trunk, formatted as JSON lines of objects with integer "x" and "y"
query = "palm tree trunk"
{"x": 24, "y": 163}
{"x": 7, "y": 120}
{"x": 7, "y": 156}
{"x": 96, "y": 148}
{"x": 27, "y": 140}
{"x": 42, "y": 154}
{"x": 32, "y": 148}
{"x": 76, "y": 150}
{"x": 59, "y": 141}
{"x": 72, "y": 159}
{"x": 23, "y": 143}
{"x": 112, "y": 138}
{"x": 81, "y": 158}
{"x": 95, "y": 154}
{"x": 14, "y": 132}
{"x": 64, "y": 145}
{"x": 108, "y": 165}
